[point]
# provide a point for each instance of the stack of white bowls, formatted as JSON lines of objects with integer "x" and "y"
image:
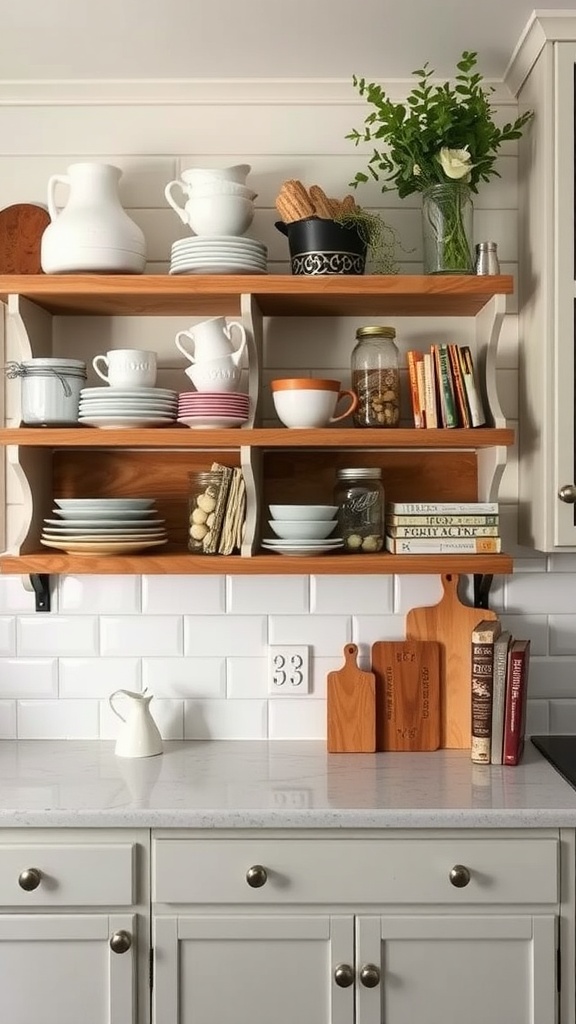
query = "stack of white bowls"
{"x": 218, "y": 209}
{"x": 303, "y": 529}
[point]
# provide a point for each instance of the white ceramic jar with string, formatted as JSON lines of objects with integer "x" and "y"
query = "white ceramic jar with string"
{"x": 49, "y": 390}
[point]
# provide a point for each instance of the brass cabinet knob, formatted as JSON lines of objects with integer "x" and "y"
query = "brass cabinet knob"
{"x": 567, "y": 493}
{"x": 29, "y": 879}
{"x": 370, "y": 975}
{"x": 459, "y": 876}
{"x": 256, "y": 876}
{"x": 344, "y": 975}
{"x": 121, "y": 941}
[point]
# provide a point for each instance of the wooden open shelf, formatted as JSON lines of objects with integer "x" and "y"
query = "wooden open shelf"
{"x": 275, "y": 295}
{"x": 184, "y": 437}
{"x": 182, "y": 563}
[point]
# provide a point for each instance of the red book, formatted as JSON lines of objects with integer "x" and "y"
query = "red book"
{"x": 515, "y": 707}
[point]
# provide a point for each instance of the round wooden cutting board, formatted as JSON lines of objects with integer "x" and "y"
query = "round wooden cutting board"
{"x": 21, "y": 228}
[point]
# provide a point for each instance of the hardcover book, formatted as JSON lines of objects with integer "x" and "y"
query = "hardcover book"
{"x": 501, "y": 647}
{"x": 443, "y": 545}
{"x": 441, "y": 531}
{"x": 413, "y": 358}
{"x": 515, "y": 707}
{"x": 482, "y": 671}
{"x": 445, "y": 386}
{"x": 459, "y": 388}
{"x": 456, "y": 508}
{"x": 477, "y": 417}
{"x": 441, "y": 520}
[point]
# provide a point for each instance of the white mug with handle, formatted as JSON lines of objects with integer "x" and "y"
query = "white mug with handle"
{"x": 127, "y": 368}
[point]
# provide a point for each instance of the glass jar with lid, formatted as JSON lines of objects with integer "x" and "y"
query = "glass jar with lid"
{"x": 204, "y": 491}
{"x": 359, "y": 495}
{"x": 376, "y": 377}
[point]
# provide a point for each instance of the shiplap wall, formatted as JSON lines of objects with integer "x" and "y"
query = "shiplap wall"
{"x": 200, "y": 644}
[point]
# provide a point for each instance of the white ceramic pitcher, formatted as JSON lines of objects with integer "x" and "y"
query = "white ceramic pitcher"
{"x": 93, "y": 232}
{"x": 212, "y": 339}
{"x": 139, "y": 736}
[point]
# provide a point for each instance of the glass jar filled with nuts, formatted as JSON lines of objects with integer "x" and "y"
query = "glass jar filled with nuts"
{"x": 376, "y": 378}
{"x": 359, "y": 495}
{"x": 202, "y": 504}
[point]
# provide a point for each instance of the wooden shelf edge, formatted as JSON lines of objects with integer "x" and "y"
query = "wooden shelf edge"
{"x": 181, "y": 563}
{"x": 259, "y": 437}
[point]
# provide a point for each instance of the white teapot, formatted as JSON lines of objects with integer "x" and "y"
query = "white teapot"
{"x": 140, "y": 736}
{"x": 212, "y": 339}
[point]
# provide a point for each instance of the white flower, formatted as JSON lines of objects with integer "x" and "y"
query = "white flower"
{"x": 455, "y": 163}
{"x": 416, "y": 170}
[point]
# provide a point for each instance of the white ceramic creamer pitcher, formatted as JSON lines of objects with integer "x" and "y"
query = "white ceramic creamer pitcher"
{"x": 139, "y": 735}
{"x": 93, "y": 232}
{"x": 212, "y": 339}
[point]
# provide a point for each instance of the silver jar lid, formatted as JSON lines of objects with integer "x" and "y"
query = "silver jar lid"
{"x": 361, "y": 473}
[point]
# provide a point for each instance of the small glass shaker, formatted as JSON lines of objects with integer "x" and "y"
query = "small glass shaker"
{"x": 487, "y": 258}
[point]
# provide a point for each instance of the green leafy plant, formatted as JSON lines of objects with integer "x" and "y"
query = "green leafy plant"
{"x": 441, "y": 133}
{"x": 379, "y": 237}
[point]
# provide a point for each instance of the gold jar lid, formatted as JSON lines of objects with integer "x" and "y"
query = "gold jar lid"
{"x": 376, "y": 332}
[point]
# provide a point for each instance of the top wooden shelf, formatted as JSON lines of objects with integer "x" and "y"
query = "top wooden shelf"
{"x": 275, "y": 294}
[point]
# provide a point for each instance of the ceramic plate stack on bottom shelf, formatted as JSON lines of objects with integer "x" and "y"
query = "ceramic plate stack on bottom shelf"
{"x": 104, "y": 526}
{"x": 303, "y": 530}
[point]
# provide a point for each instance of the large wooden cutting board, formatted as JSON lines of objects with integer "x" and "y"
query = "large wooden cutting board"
{"x": 351, "y": 704}
{"x": 450, "y": 623}
{"x": 407, "y": 694}
{"x": 21, "y": 228}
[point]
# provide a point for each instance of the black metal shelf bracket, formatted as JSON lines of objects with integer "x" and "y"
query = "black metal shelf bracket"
{"x": 482, "y": 584}
{"x": 41, "y": 585}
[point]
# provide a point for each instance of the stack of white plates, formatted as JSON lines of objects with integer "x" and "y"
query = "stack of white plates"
{"x": 303, "y": 530}
{"x": 218, "y": 254}
{"x": 103, "y": 526}
{"x": 217, "y": 409}
{"x": 127, "y": 407}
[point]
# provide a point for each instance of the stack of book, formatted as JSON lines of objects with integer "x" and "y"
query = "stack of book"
{"x": 442, "y": 527}
{"x": 500, "y": 665}
{"x": 443, "y": 387}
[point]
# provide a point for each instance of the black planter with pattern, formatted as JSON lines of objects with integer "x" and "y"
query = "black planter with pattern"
{"x": 319, "y": 246}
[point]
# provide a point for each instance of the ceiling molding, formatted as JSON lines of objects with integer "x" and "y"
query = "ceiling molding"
{"x": 231, "y": 92}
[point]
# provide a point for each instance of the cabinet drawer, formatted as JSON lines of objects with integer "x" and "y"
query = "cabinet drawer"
{"x": 69, "y": 875}
{"x": 355, "y": 871}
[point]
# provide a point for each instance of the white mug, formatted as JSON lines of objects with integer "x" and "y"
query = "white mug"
{"x": 127, "y": 368}
{"x": 215, "y": 375}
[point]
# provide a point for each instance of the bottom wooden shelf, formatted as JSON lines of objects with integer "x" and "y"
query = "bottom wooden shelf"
{"x": 178, "y": 562}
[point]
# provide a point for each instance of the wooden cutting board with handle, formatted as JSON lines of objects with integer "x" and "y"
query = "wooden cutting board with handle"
{"x": 407, "y": 694}
{"x": 451, "y": 623}
{"x": 21, "y": 228}
{"x": 351, "y": 704}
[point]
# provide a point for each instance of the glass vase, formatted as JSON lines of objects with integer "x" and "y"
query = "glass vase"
{"x": 447, "y": 214}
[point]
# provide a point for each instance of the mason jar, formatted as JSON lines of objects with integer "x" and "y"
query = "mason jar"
{"x": 204, "y": 489}
{"x": 376, "y": 377}
{"x": 359, "y": 495}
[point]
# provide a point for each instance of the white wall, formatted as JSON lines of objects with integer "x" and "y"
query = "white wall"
{"x": 200, "y": 644}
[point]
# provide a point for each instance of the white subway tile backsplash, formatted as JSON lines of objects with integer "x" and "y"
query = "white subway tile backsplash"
{"x": 416, "y": 592}
{"x": 228, "y": 635}
{"x": 57, "y": 635}
{"x": 140, "y": 635}
{"x": 246, "y": 677}
{"x": 225, "y": 719}
{"x": 367, "y": 629}
{"x": 548, "y": 593}
{"x": 562, "y": 634}
{"x": 297, "y": 719}
{"x": 97, "y": 677}
{"x": 268, "y": 595}
{"x": 7, "y": 635}
{"x": 552, "y": 678}
{"x": 529, "y": 627}
{"x": 562, "y": 716}
{"x": 14, "y": 597}
{"x": 99, "y": 594}
{"x": 319, "y": 669}
{"x": 28, "y": 677}
{"x": 57, "y": 719}
{"x": 8, "y": 720}
{"x": 183, "y": 595}
{"x": 324, "y": 634}
{"x": 349, "y": 595}
{"x": 537, "y": 717}
{"x": 185, "y": 677}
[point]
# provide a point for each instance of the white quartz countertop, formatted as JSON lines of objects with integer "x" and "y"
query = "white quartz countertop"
{"x": 219, "y": 784}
